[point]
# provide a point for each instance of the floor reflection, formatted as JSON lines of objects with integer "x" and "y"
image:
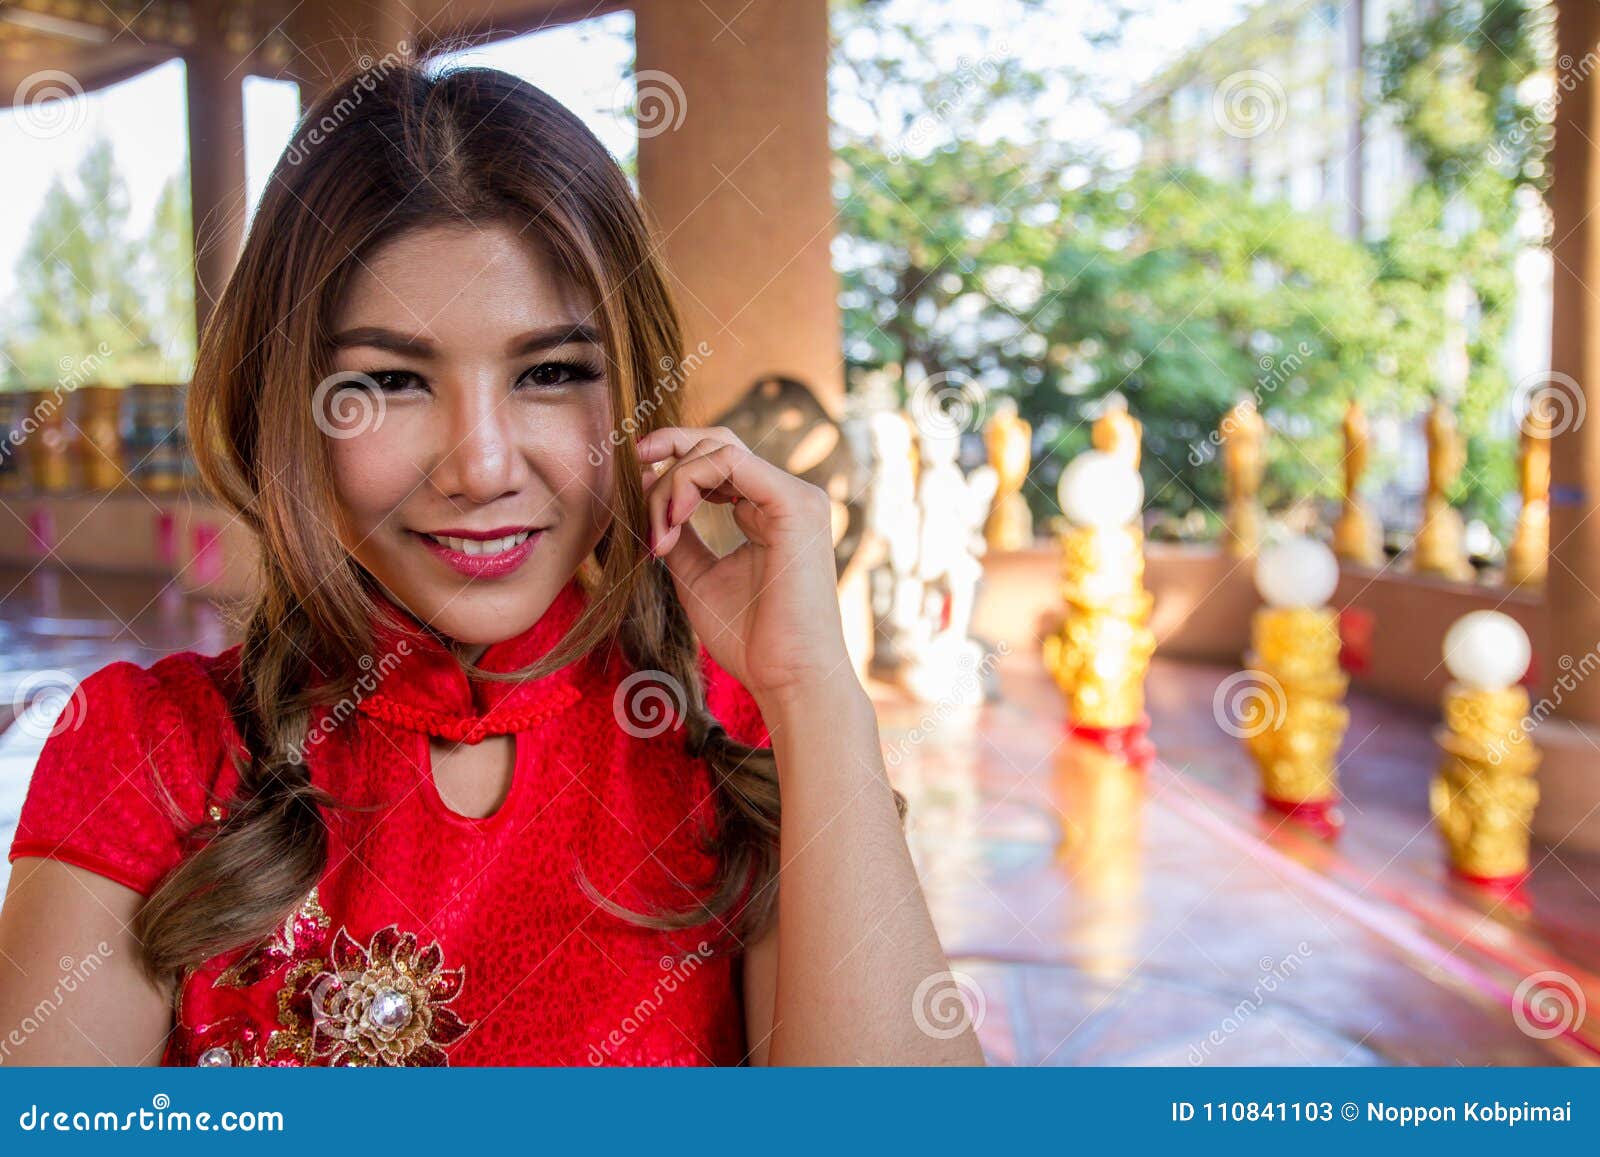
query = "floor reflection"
{"x": 1104, "y": 914}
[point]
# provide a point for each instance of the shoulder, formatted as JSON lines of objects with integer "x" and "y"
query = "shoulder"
{"x": 180, "y": 698}
{"x": 732, "y": 705}
{"x": 128, "y": 766}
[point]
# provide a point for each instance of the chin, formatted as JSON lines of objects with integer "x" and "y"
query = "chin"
{"x": 480, "y": 617}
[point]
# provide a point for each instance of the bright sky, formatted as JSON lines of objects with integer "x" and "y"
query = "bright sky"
{"x": 583, "y": 66}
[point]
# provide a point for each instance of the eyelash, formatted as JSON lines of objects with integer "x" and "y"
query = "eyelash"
{"x": 576, "y": 371}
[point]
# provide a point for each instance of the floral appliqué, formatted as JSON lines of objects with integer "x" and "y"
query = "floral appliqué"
{"x": 385, "y": 1003}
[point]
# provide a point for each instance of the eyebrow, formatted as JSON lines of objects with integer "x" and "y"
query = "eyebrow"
{"x": 417, "y": 346}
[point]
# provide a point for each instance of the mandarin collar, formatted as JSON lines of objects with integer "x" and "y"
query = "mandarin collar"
{"x": 417, "y": 683}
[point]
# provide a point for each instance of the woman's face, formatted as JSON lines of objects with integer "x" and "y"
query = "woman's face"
{"x": 467, "y": 483}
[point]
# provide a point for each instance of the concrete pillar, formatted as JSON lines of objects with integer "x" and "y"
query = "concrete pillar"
{"x": 1568, "y": 816}
{"x": 733, "y": 168}
{"x": 1575, "y": 353}
{"x": 214, "y": 82}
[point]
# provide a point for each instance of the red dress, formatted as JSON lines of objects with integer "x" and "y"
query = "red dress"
{"x": 432, "y": 938}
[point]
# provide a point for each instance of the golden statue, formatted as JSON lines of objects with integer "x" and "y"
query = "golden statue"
{"x": 50, "y": 450}
{"x": 1439, "y": 547}
{"x": 1009, "y": 439}
{"x": 1293, "y": 719}
{"x": 1528, "y": 556}
{"x": 1101, "y": 651}
{"x": 1243, "y": 434}
{"x": 1118, "y": 432}
{"x": 99, "y": 420}
{"x": 1356, "y": 536}
{"x": 1484, "y": 794}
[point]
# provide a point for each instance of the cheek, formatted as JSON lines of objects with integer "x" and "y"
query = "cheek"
{"x": 587, "y": 458}
{"x": 370, "y": 478}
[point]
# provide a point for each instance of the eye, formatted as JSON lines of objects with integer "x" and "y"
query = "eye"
{"x": 553, "y": 374}
{"x": 396, "y": 381}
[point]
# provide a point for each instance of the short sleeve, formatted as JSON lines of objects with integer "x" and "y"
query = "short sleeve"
{"x": 114, "y": 789}
{"x": 734, "y": 707}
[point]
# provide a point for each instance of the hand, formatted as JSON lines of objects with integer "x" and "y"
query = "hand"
{"x": 768, "y": 612}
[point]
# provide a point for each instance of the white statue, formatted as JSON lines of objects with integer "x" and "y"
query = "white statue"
{"x": 943, "y": 660}
{"x": 892, "y": 522}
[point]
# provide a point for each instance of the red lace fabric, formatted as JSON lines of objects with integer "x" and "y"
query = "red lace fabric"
{"x": 432, "y": 938}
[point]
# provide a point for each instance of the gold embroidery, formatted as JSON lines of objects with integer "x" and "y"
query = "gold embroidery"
{"x": 343, "y": 1003}
{"x": 302, "y": 929}
{"x": 386, "y": 1003}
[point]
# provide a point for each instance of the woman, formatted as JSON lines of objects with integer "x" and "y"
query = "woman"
{"x": 494, "y": 776}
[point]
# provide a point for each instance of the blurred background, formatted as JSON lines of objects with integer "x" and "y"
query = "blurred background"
{"x": 1184, "y": 373}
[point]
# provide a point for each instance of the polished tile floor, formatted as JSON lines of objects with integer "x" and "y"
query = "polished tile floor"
{"x": 1096, "y": 914}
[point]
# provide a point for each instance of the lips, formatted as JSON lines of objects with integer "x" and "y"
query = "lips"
{"x": 480, "y": 546}
{"x": 481, "y": 554}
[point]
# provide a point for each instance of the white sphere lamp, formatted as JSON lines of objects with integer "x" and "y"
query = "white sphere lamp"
{"x": 1299, "y": 572}
{"x": 1100, "y": 490}
{"x": 1487, "y": 650}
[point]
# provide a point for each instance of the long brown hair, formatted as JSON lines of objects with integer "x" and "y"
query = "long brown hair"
{"x": 399, "y": 146}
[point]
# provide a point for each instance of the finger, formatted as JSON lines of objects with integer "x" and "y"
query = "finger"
{"x": 685, "y": 554}
{"x": 709, "y": 477}
{"x": 672, "y": 502}
{"x": 677, "y": 441}
{"x": 723, "y": 473}
{"x": 655, "y": 470}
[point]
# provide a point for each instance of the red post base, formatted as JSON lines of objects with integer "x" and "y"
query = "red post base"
{"x": 1321, "y": 817}
{"x": 1507, "y": 888}
{"x": 1131, "y": 743}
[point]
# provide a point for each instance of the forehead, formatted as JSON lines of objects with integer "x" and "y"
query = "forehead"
{"x": 444, "y": 279}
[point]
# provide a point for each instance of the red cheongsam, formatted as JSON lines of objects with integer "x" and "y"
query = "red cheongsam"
{"x": 432, "y": 938}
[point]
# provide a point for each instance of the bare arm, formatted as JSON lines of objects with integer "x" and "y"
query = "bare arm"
{"x": 855, "y": 949}
{"x": 838, "y": 981}
{"x": 71, "y": 988}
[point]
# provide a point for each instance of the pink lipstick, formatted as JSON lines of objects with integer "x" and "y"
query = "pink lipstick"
{"x": 482, "y": 553}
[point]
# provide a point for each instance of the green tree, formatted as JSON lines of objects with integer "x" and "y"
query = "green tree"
{"x": 1038, "y": 270}
{"x": 975, "y": 241}
{"x": 1456, "y": 78}
{"x": 88, "y": 288}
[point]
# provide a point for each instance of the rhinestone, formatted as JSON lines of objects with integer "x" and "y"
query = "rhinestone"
{"x": 215, "y": 1057}
{"x": 389, "y": 1009}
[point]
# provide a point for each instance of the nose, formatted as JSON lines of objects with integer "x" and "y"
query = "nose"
{"x": 478, "y": 460}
